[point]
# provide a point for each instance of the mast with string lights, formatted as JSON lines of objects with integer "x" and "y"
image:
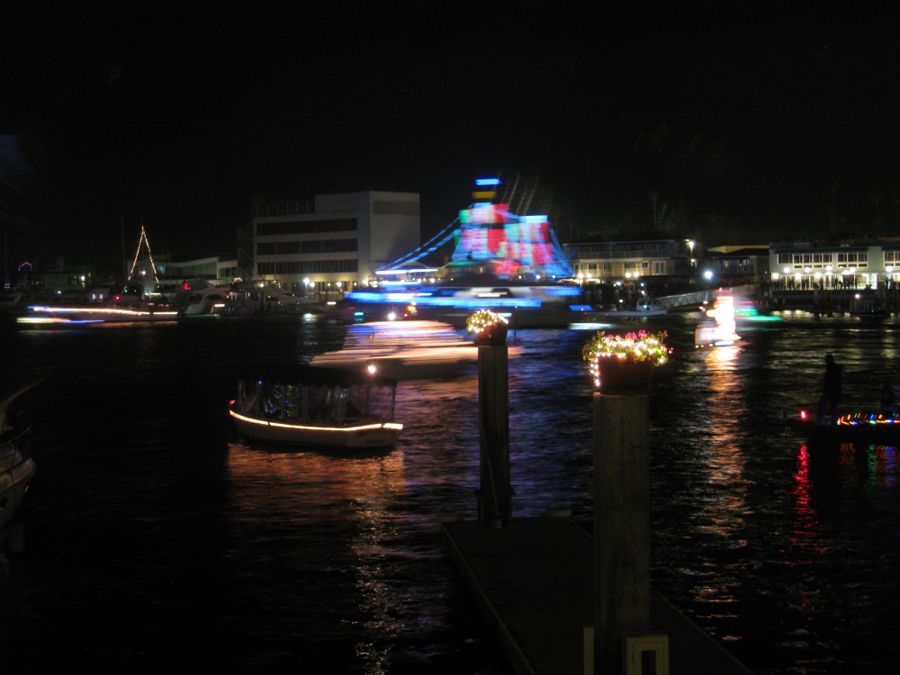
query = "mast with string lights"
{"x": 143, "y": 244}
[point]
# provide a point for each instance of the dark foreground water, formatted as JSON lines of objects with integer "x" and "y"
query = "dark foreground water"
{"x": 156, "y": 539}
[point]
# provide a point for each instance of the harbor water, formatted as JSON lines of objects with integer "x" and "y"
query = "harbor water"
{"x": 156, "y": 538}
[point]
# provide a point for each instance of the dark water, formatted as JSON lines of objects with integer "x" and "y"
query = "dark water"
{"x": 155, "y": 538}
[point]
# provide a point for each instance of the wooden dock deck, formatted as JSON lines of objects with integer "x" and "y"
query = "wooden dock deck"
{"x": 533, "y": 581}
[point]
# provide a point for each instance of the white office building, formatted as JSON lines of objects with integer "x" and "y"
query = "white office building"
{"x": 334, "y": 243}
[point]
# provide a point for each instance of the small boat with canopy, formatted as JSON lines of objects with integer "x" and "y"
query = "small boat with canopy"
{"x": 317, "y": 407}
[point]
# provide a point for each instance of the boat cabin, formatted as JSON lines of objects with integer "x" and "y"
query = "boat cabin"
{"x": 313, "y": 395}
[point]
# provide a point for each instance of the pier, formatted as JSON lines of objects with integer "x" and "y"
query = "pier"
{"x": 561, "y": 599}
{"x": 533, "y": 582}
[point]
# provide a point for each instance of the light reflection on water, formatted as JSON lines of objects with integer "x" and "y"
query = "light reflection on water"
{"x": 726, "y": 511}
{"x": 300, "y": 491}
{"x": 788, "y": 552}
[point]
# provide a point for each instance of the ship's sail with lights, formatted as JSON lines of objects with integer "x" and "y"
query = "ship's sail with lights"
{"x": 489, "y": 239}
{"x": 499, "y": 260}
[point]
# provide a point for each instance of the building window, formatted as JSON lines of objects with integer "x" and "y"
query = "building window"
{"x": 339, "y": 245}
{"x": 307, "y": 226}
{"x": 287, "y": 247}
{"x": 306, "y": 266}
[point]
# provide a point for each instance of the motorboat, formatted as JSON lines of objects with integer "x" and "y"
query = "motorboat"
{"x": 864, "y": 426}
{"x": 317, "y": 408}
{"x": 403, "y": 350}
{"x": 198, "y": 297}
{"x": 17, "y": 468}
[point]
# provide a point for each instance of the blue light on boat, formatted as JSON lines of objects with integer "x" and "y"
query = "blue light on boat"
{"x": 561, "y": 291}
{"x": 487, "y": 181}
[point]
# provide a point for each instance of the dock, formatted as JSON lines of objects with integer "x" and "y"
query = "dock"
{"x": 532, "y": 580}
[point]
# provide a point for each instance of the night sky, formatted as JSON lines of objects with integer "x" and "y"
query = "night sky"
{"x": 744, "y": 124}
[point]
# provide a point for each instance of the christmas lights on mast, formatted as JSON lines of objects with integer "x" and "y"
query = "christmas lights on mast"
{"x": 143, "y": 241}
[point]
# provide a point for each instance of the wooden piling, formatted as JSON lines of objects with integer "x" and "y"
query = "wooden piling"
{"x": 495, "y": 493}
{"x": 621, "y": 524}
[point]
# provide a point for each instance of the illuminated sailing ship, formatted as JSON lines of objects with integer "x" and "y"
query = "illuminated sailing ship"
{"x": 500, "y": 260}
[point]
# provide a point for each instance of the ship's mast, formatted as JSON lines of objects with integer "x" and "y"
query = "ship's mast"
{"x": 144, "y": 242}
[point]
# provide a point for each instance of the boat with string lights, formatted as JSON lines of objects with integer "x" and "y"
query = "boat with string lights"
{"x": 863, "y": 426}
{"x": 130, "y": 302}
{"x": 311, "y": 407}
{"x": 405, "y": 349}
{"x": 75, "y": 316}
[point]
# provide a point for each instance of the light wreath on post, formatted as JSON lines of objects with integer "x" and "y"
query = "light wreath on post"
{"x": 614, "y": 359}
{"x": 482, "y": 319}
{"x": 487, "y": 326}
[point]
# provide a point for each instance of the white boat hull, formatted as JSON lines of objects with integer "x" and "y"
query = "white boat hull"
{"x": 365, "y": 434}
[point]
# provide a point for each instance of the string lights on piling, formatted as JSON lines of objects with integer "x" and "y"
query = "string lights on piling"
{"x": 633, "y": 347}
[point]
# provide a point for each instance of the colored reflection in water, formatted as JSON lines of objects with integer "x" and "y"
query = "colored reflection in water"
{"x": 805, "y": 517}
{"x": 870, "y": 468}
{"x": 881, "y": 464}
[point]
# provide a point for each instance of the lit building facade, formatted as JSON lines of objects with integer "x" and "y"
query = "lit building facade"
{"x": 220, "y": 270}
{"x": 334, "y": 243}
{"x": 617, "y": 260}
{"x": 805, "y": 266}
{"x": 736, "y": 265}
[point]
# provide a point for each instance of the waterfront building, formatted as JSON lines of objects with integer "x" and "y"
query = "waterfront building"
{"x": 334, "y": 243}
{"x": 61, "y": 283}
{"x": 852, "y": 265}
{"x": 218, "y": 270}
{"x": 610, "y": 261}
{"x": 739, "y": 265}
